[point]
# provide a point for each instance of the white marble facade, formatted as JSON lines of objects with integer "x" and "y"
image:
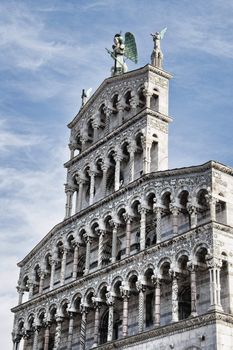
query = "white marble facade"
{"x": 143, "y": 258}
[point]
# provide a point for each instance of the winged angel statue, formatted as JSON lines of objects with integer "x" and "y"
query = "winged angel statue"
{"x": 123, "y": 48}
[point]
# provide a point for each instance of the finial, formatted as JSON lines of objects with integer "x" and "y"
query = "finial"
{"x": 123, "y": 48}
{"x": 157, "y": 55}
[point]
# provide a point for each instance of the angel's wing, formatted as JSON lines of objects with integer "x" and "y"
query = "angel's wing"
{"x": 130, "y": 47}
{"x": 88, "y": 93}
{"x": 163, "y": 31}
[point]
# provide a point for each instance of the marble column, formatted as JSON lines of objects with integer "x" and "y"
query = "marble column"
{"x": 83, "y": 327}
{"x": 158, "y": 211}
{"x": 212, "y": 204}
{"x": 79, "y": 195}
{"x": 70, "y": 330}
{"x": 57, "y": 339}
{"x": 141, "y": 305}
{"x": 69, "y": 195}
{"x": 128, "y": 220}
{"x": 46, "y": 336}
{"x": 131, "y": 149}
{"x": 42, "y": 275}
{"x": 35, "y": 338}
{"x": 100, "y": 248}
{"x": 75, "y": 261}
{"x": 214, "y": 265}
{"x": 125, "y": 296}
{"x": 16, "y": 342}
{"x": 97, "y": 323}
{"x": 114, "y": 240}
{"x": 53, "y": 263}
{"x": 193, "y": 286}
{"x": 30, "y": 286}
{"x": 21, "y": 293}
{"x": 118, "y": 159}
{"x": 230, "y": 286}
{"x": 104, "y": 168}
{"x": 143, "y": 212}
{"x": 88, "y": 253}
{"x": 146, "y": 154}
{"x": 175, "y": 315}
{"x": 157, "y": 283}
{"x": 25, "y": 341}
{"x": 92, "y": 186}
{"x": 193, "y": 216}
{"x": 175, "y": 212}
{"x": 63, "y": 266}
{"x": 120, "y": 108}
{"x": 110, "y": 302}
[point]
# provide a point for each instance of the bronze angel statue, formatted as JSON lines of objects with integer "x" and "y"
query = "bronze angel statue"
{"x": 123, "y": 48}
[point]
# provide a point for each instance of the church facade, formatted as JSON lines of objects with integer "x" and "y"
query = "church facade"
{"x": 143, "y": 258}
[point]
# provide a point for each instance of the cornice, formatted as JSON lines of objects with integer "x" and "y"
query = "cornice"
{"x": 167, "y": 330}
{"x": 116, "y": 79}
{"x": 152, "y": 176}
{"x": 206, "y": 227}
{"x": 144, "y": 112}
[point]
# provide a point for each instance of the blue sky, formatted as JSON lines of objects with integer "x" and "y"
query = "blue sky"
{"x": 49, "y": 51}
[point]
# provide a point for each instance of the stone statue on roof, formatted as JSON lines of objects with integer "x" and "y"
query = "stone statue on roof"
{"x": 157, "y": 55}
{"x": 123, "y": 48}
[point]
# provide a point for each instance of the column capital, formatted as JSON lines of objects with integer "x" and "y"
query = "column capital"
{"x": 96, "y": 302}
{"x": 69, "y": 188}
{"x": 213, "y": 261}
{"x": 156, "y": 280}
{"x": 124, "y": 292}
{"x": 142, "y": 209}
{"x": 191, "y": 266}
{"x": 127, "y": 217}
{"x": 110, "y": 298}
{"x": 88, "y": 239}
{"x": 210, "y": 199}
{"x": 84, "y": 309}
{"x": 175, "y": 210}
{"x": 140, "y": 286}
{"x": 53, "y": 261}
{"x": 113, "y": 223}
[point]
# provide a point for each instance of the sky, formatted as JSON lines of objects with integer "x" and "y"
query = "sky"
{"x": 49, "y": 51}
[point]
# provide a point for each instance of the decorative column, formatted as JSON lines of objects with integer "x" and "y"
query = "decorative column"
{"x": 193, "y": 215}
{"x": 110, "y": 302}
{"x": 63, "y": 265}
{"x": 75, "y": 261}
{"x": 175, "y": 212}
{"x": 118, "y": 158}
{"x": 158, "y": 211}
{"x": 16, "y": 341}
{"x": 92, "y": 174}
{"x": 70, "y": 330}
{"x": 57, "y": 339}
{"x": 193, "y": 286}
{"x": 84, "y": 311}
{"x": 35, "y": 338}
{"x": 26, "y": 336}
{"x": 100, "y": 248}
{"x": 157, "y": 283}
{"x": 20, "y": 290}
{"x": 148, "y": 93}
{"x": 125, "y": 296}
{"x": 53, "y": 263}
{"x": 96, "y": 303}
{"x": 30, "y": 286}
{"x": 214, "y": 265}
{"x": 69, "y": 195}
{"x": 46, "y": 336}
{"x": 141, "y": 304}
{"x": 147, "y": 143}
{"x": 128, "y": 220}
{"x": 175, "y": 315}
{"x": 143, "y": 212}
{"x": 42, "y": 274}
{"x": 131, "y": 149}
{"x": 79, "y": 194}
{"x": 114, "y": 240}
{"x": 88, "y": 253}
{"x": 120, "y": 108}
{"x": 104, "y": 168}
